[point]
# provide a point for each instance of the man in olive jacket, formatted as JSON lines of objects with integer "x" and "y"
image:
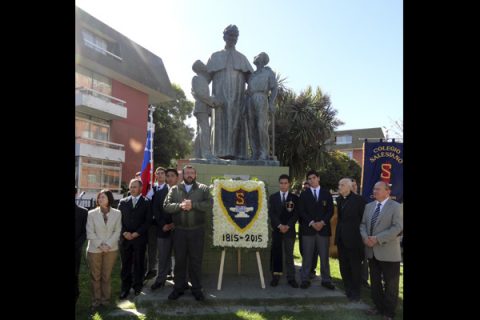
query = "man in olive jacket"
{"x": 188, "y": 203}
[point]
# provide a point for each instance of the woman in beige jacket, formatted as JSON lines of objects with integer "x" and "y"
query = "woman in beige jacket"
{"x": 103, "y": 232}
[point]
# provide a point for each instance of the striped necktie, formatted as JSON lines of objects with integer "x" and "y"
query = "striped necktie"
{"x": 375, "y": 217}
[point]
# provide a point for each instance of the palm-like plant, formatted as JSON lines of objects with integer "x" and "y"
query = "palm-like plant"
{"x": 304, "y": 123}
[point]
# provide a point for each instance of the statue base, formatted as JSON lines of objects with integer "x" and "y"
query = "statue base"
{"x": 243, "y": 261}
{"x": 270, "y": 163}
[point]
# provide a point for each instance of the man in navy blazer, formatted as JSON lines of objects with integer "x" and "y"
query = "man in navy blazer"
{"x": 282, "y": 211}
{"x": 315, "y": 210}
{"x": 136, "y": 218}
{"x": 164, "y": 230}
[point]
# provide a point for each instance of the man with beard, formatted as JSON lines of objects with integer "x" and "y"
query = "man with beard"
{"x": 188, "y": 203}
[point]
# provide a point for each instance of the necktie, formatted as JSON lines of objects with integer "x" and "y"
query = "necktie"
{"x": 315, "y": 194}
{"x": 283, "y": 197}
{"x": 375, "y": 217}
{"x": 105, "y": 218}
{"x": 134, "y": 200}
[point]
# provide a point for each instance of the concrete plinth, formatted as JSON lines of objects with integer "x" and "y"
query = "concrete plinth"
{"x": 206, "y": 173}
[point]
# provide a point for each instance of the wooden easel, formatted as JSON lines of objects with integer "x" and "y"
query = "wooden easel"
{"x": 222, "y": 264}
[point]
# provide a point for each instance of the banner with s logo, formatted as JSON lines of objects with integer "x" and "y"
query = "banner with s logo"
{"x": 383, "y": 161}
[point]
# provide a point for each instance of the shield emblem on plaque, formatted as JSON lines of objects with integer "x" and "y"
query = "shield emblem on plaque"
{"x": 241, "y": 207}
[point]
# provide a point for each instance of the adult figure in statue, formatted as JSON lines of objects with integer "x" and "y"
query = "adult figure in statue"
{"x": 229, "y": 70}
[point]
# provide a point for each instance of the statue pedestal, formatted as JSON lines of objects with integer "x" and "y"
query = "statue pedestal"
{"x": 270, "y": 163}
{"x": 246, "y": 261}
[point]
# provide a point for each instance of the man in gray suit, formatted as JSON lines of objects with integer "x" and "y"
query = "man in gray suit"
{"x": 381, "y": 223}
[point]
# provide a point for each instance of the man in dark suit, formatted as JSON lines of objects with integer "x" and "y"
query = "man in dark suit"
{"x": 81, "y": 215}
{"x": 172, "y": 180}
{"x": 136, "y": 218}
{"x": 306, "y": 186}
{"x": 348, "y": 240}
{"x": 382, "y": 222}
{"x": 315, "y": 211}
{"x": 164, "y": 226}
{"x": 151, "y": 254}
{"x": 283, "y": 216}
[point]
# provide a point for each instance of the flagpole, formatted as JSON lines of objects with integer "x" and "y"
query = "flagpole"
{"x": 151, "y": 108}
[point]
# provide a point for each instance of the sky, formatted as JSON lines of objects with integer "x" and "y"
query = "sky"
{"x": 351, "y": 49}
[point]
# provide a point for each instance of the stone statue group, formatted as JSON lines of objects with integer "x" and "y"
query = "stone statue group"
{"x": 239, "y": 105}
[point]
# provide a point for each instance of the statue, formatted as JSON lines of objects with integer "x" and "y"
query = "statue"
{"x": 203, "y": 104}
{"x": 229, "y": 70}
{"x": 261, "y": 94}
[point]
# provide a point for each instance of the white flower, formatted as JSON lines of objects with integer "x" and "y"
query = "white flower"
{"x": 226, "y": 233}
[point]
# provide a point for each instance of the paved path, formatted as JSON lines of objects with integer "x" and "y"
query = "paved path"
{"x": 238, "y": 292}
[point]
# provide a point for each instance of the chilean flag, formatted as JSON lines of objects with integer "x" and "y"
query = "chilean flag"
{"x": 147, "y": 165}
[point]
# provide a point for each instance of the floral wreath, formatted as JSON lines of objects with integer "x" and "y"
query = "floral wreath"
{"x": 224, "y": 225}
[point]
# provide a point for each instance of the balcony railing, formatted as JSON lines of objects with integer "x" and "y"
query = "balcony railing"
{"x": 100, "y": 143}
{"x": 96, "y": 47}
{"x": 101, "y": 95}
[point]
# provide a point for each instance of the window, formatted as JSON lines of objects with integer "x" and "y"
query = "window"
{"x": 89, "y": 129}
{"x": 100, "y": 44}
{"x": 91, "y": 80}
{"x": 102, "y": 84}
{"x": 349, "y": 154}
{"x": 344, "y": 139}
{"x": 96, "y": 174}
{"x": 83, "y": 77}
{"x": 95, "y": 42}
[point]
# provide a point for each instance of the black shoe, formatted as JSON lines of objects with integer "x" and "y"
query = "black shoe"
{"x": 305, "y": 284}
{"x": 328, "y": 285}
{"x": 175, "y": 294}
{"x": 170, "y": 277}
{"x": 293, "y": 283}
{"x": 137, "y": 291}
{"x": 274, "y": 281}
{"x": 354, "y": 298}
{"x": 124, "y": 294}
{"x": 365, "y": 284}
{"x": 312, "y": 275}
{"x": 150, "y": 274}
{"x": 199, "y": 296}
{"x": 157, "y": 285}
{"x": 187, "y": 286}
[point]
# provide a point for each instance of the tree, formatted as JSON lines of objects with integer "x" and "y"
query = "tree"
{"x": 338, "y": 165}
{"x": 397, "y": 129}
{"x": 303, "y": 126}
{"x": 172, "y": 139}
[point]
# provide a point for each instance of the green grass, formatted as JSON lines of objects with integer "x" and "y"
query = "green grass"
{"x": 83, "y": 304}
